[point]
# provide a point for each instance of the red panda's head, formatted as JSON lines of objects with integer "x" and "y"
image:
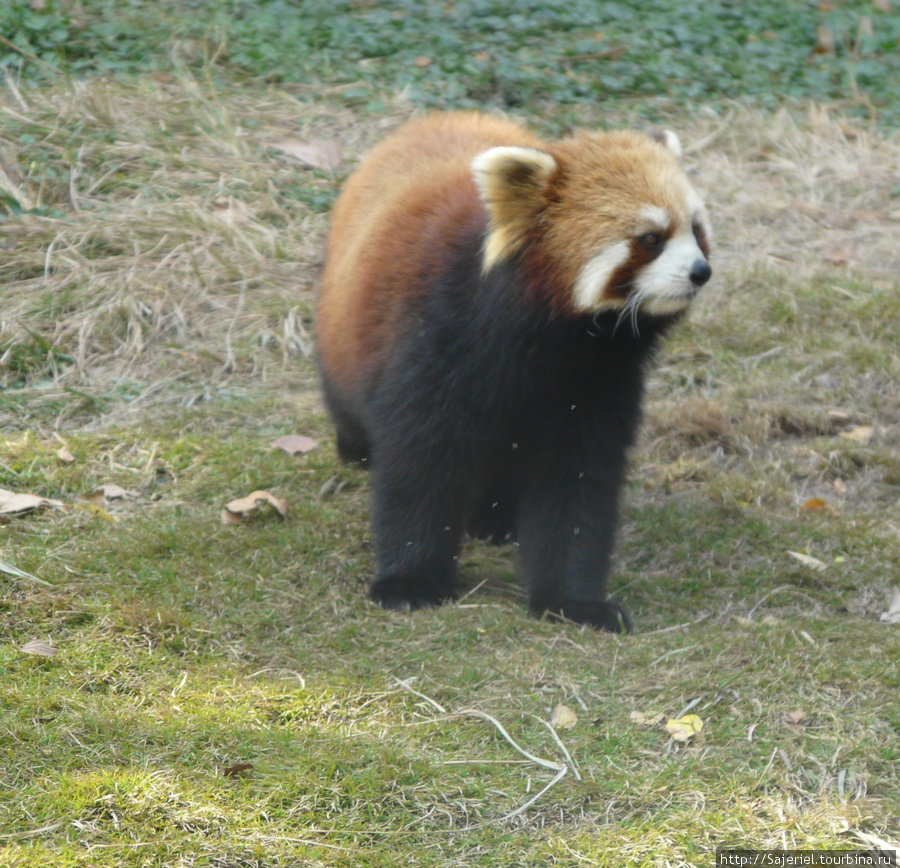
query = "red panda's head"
{"x": 611, "y": 219}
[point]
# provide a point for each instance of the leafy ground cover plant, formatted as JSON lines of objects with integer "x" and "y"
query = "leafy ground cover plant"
{"x": 180, "y": 691}
{"x": 485, "y": 52}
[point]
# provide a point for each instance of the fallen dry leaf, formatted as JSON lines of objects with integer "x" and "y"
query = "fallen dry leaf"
{"x": 839, "y": 486}
{"x": 814, "y": 504}
{"x": 295, "y": 444}
{"x": 825, "y": 41}
{"x": 116, "y": 492}
{"x": 12, "y": 503}
{"x": 859, "y": 434}
{"x": 892, "y": 615}
{"x": 231, "y": 211}
{"x": 322, "y": 154}
{"x": 422, "y": 62}
{"x": 563, "y": 717}
{"x": 65, "y": 456}
{"x": 642, "y": 719}
{"x": 810, "y": 561}
{"x": 793, "y": 717}
{"x": 250, "y": 503}
{"x": 40, "y": 649}
{"x": 684, "y": 728}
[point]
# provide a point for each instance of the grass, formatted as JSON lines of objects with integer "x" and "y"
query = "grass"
{"x": 224, "y": 696}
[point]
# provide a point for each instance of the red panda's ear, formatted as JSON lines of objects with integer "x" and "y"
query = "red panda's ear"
{"x": 512, "y": 182}
{"x": 669, "y": 139}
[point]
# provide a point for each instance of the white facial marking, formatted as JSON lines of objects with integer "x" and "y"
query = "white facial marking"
{"x": 592, "y": 281}
{"x": 664, "y": 286}
{"x": 655, "y": 217}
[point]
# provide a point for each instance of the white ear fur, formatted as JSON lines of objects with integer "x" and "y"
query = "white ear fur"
{"x": 501, "y": 170}
{"x": 672, "y": 142}
{"x": 511, "y": 183}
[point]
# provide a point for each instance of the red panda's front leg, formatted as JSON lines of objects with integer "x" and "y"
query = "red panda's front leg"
{"x": 568, "y": 515}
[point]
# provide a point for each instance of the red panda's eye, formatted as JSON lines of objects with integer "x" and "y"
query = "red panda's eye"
{"x": 651, "y": 240}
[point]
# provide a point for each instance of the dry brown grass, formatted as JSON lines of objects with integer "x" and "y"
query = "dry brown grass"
{"x": 176, "y": 246}
{"x": 812, "y": 194}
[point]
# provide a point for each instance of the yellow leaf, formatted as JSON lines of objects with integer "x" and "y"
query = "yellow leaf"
{"x": 684, "y": 728}
{"x": 563, "y": 717}
{"x": 95, "y": 509}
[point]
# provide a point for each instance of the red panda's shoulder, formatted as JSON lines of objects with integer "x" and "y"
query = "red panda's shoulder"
{"x": 397, "y": 215}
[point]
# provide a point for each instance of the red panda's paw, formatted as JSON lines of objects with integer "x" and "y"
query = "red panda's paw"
{"x": 603, "y": 615}
{"x": 409, "y": 592}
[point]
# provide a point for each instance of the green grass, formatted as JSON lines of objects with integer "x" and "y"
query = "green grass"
{"x": 167, "y": 346}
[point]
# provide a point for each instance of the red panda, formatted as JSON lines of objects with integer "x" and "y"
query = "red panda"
{"x": 488, "y": 310}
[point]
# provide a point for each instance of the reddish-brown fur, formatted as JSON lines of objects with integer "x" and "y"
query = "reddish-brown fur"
{"x": 397, "y": 216}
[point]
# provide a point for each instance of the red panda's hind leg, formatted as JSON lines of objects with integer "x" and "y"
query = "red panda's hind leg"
{"x": 417, "y": 524}
{"x": 352, "y": 438}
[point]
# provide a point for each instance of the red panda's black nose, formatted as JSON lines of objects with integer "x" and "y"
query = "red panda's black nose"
{"x": 700, "y": 272}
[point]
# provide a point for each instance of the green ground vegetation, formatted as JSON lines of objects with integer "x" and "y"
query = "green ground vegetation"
{"x": 222, "y": 695}
{"x": 485, "y": 52}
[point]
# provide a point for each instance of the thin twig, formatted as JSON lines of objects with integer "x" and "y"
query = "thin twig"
{"x": 560, "y": 775}
{"x": 428, "y": 699}
{"x": 474, "y": 712}
{"x": 678, "y": 626}
{"x": 558, "y": 740}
